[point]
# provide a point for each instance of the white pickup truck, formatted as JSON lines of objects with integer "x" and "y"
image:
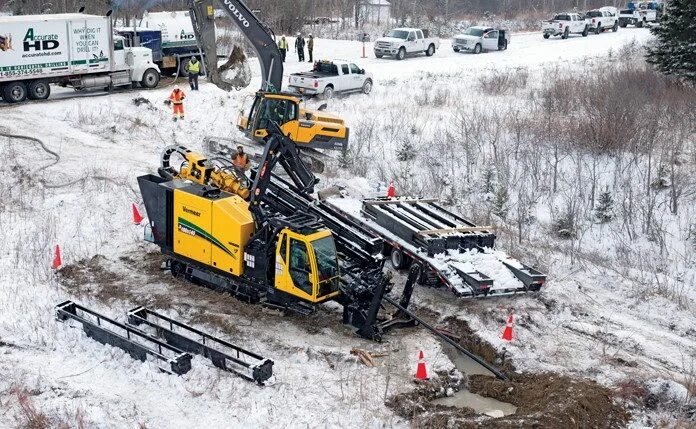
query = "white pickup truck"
{"x": 400, "y": 42}
{"x": 564, "y": 24}
{"x": 602, "y": 19}
{"x": 639, "y": 15}
{"x": 479, "y": 38}
{"x": 329, "y": 77}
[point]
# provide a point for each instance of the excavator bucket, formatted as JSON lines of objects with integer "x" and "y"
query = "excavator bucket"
{"x": 235, "y": 72}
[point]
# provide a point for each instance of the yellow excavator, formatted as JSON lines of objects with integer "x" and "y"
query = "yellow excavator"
{"x": 309, "y": 129}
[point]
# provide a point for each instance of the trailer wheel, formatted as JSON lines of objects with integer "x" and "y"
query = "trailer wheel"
{"x": 623, "y": 25}
{"x": 546, "y": 35}
{"x": 14, "y": 92}
{"x": 398, "y": 259}
{"x": 639, "y": 24}
{"x": 150, "y": 79}
{"x": 38, "y": 90}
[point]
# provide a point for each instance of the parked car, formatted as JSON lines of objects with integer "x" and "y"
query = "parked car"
{"x": 481, "y": 38}
{"x": 400, "y": 42}
{"x": 564, "y": 24}
{"x": 600, "y": 20}
{"x": 330, "y": 77}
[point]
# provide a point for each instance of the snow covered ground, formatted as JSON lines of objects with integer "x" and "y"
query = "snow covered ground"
{"x": 588, "y": 319}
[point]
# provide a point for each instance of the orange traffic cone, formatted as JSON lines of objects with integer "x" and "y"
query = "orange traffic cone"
{"x": 57, "y": 261}
{"x": 137, "y": 218}
{"x": 421, "y": 372}
{"x": 391, "y": 190}
{"x": 507, "y": 333}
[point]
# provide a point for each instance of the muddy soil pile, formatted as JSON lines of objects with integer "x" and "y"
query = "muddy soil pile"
{"x": 542, "y": 400}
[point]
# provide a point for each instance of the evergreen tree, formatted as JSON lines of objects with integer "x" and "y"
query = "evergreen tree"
{"x": 407, "y": 152}
{"x": 500, "y": 205}
{"x": 489, "y": 180}
{"x": 674, "y": 52}
{"x": 604, "y": 212}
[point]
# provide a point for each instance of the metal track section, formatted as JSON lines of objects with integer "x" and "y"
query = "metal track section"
{"x": 222, "y": 354}
{"x": 135, "y": 342}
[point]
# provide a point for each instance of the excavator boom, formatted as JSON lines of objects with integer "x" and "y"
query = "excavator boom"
{"x": 260, "y": 37}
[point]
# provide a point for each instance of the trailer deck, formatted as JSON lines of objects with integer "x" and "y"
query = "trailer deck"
{"x": 452, "y": 250}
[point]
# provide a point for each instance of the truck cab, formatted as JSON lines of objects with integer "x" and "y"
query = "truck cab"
{"x": 137, "y": 61}
{"x": 329, "y": 77}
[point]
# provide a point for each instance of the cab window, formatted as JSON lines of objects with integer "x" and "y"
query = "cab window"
{"x": 354, "y": 69}
{"x": 344, "y": 68}
{"x": 412, "y": 35}
{"x": 300, "y": 268}
{"x": 118, "y": 45}
{"x": 279, "y": 111}
{"x": 419, "y": 34}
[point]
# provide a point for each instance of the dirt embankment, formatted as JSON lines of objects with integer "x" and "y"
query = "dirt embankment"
{"x": 544, "y": 400}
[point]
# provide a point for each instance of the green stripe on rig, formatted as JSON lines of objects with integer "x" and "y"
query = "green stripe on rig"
{"x": 203, "y": 234}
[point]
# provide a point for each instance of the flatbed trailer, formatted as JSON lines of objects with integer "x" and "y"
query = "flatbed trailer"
{"x": 452, "y": 250}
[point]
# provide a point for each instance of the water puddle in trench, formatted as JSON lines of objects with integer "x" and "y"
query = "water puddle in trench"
{"x": 464, "y": 398}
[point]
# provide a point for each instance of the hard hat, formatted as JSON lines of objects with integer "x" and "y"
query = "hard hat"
{"x": 240, "y": 147}
{"x": 176, "y": 86}
{"x": 310, "y": 34}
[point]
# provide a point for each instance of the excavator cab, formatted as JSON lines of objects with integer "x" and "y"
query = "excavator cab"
{"x": 307, "y": 265}
{"x": 307, "y": 128}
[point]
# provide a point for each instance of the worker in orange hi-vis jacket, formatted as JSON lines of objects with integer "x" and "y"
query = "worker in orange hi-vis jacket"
{"x": 176, "y": 98}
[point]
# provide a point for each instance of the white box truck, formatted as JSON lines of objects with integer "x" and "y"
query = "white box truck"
{"x": 74, "y": 50}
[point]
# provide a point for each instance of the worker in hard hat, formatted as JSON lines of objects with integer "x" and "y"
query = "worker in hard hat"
{"x": 193, "y": 67}
{"x": 241, "y": 159}
{"x": 176, "y": 98}
{"x": 283, "y": 47}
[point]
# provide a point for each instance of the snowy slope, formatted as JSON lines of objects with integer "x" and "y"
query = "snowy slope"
{"x": 82, "y": 202}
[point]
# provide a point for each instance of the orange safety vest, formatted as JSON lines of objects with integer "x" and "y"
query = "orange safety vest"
{"x": 240, "y": 161}
{"x": 177, "y": 97}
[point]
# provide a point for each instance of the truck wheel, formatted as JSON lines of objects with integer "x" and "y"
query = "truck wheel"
{"x": 456, "y": 49}
{"x": 615, "y": 28}
{"x": 477, "y": 49}
{"x": 623, "y": 25}
{"x": 585, "y": 31}
{"x": 182, "y": 68}
{"x": 504, "y": 47}
{"x": 367, "y": 87}
{"x": 14, "y": 92}
{"x": 639, "y": 24}
{"x": 379, "y": 55}
{"x": 546, "y": 35}
{"x": 38, "y": 90}
{"x": 599, "y": 29}
{"x": 328, "y": 92}
{"x": 430, "y": 51}
{"x": 398, "y": 259}
{"x": 566, "y": 33}
{"x": 401, "y": 54}
{"x": 150, "y": 79}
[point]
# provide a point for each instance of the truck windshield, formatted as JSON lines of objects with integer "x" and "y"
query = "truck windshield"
{"x": 474, "y": 32}
{"x": 327, "y": 262}
{"x": 398, "y": 34}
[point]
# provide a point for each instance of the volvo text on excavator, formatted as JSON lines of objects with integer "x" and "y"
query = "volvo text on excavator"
{"x": 307, "y": 128}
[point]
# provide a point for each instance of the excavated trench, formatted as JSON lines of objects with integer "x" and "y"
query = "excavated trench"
{"x": 478, "y": 400}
